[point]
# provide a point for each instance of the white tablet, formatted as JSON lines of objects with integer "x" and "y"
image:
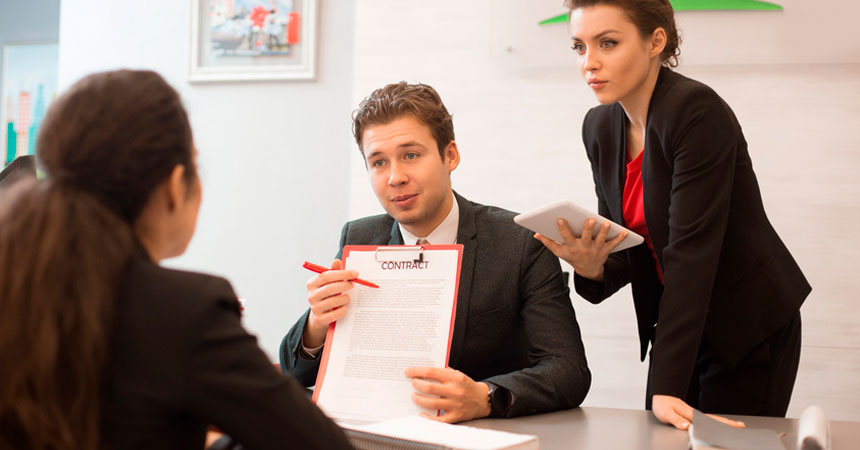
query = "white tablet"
{"x": 543, "y": 220}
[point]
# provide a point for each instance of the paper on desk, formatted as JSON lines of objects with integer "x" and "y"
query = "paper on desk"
{"x": 459, "y": 437}
{"x": 707, "y": 432}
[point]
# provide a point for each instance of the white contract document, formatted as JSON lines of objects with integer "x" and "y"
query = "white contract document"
{"x": 407, "y": 321}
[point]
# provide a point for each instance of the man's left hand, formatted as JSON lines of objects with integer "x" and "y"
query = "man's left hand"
{"x": 460, "y": 397}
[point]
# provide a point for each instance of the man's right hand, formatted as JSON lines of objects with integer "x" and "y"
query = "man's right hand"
{"x": 327, "y": 300}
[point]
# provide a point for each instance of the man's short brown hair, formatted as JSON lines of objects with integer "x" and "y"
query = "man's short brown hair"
{"x": 396, "y": 100}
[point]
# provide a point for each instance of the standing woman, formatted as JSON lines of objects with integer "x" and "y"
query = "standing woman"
{"x": 716, "y": 292}
{"x": 100, "y": 347}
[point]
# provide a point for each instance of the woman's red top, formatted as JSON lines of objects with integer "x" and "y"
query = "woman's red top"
{"x": 634, "y": 206}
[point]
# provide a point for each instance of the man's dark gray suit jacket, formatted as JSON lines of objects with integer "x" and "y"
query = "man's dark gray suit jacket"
{"x": 514, "y": 327}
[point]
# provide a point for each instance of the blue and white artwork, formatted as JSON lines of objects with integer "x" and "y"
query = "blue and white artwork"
{"x": 29, "y": 87}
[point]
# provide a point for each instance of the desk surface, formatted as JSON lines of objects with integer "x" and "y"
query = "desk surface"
{"x": 604, "y": 428}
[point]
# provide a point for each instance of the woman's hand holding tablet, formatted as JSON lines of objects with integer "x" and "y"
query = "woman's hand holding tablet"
{"x": 544, "y": 220}
{"x": 581, "y": 238}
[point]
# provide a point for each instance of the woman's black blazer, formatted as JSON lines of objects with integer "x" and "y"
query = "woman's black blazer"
{"x": 728, "y": 277}
{"x": 180, "y": 360}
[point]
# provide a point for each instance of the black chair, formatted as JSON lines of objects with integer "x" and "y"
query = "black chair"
{"x": 22, "y": 167}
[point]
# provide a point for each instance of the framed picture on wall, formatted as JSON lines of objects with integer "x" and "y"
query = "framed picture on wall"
{"x": 246, "y": 40}
{"x": 29, "y": 86}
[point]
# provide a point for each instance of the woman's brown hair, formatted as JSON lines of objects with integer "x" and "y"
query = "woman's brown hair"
{"x": 65, "y": 241}
{"x": 647, "y": 15}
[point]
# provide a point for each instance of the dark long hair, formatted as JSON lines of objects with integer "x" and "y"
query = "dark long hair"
{"x": 65, "y": 241}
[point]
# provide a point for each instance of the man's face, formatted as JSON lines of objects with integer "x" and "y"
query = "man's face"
{"x": 409, "y": 177}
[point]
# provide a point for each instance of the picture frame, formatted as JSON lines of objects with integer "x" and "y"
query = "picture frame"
{"x": 29, "y": 86}
{"x": 250, "y": 40}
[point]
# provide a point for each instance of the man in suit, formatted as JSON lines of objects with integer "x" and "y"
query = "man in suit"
{"x": 516, "y": 346}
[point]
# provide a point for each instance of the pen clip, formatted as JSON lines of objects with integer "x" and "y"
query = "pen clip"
{"x": 400, "y": 253}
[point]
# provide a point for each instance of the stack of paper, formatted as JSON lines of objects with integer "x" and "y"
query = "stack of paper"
{"x": 415, "y": 432}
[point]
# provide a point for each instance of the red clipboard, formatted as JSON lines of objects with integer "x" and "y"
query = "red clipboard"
{"x": 366, "y": 248}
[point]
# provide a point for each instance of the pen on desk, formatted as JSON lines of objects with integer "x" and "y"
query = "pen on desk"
{"x": 320, "y": 269}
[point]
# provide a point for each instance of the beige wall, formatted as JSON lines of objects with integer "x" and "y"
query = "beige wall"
{"x": 518, "y": 128}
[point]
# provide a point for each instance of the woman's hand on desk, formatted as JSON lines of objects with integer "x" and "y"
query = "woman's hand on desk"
{"x": 586, "y": 254}
{"x": 461, "y": 397}
{"x": 676, "y": 412}
{"x": 327, "y": 300}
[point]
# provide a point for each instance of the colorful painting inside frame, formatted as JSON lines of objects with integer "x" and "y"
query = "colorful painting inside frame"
{"x": 237, "y": 40}
{"x": 29, "y": 87}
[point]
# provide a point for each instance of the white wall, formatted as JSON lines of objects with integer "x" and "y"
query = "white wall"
{"x": 804, "y": 32}
{"x": 272, "y": 156}
{"x": 518, "y": 128}
{"x": 33, "y": 21}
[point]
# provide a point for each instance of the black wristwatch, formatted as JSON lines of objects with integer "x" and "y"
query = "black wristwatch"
{"x": 499, "y": 399}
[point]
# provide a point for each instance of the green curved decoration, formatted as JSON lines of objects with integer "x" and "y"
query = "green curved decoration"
{"x": 561, "y": 18}
{"x": 699, "y": 5}
{"x": 723, "y": 5}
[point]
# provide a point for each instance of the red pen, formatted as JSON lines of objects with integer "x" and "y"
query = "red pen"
{"x": 320, "y": 269}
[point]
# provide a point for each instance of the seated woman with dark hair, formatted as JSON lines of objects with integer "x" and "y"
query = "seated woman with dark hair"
{"x": 100, "y": 347}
